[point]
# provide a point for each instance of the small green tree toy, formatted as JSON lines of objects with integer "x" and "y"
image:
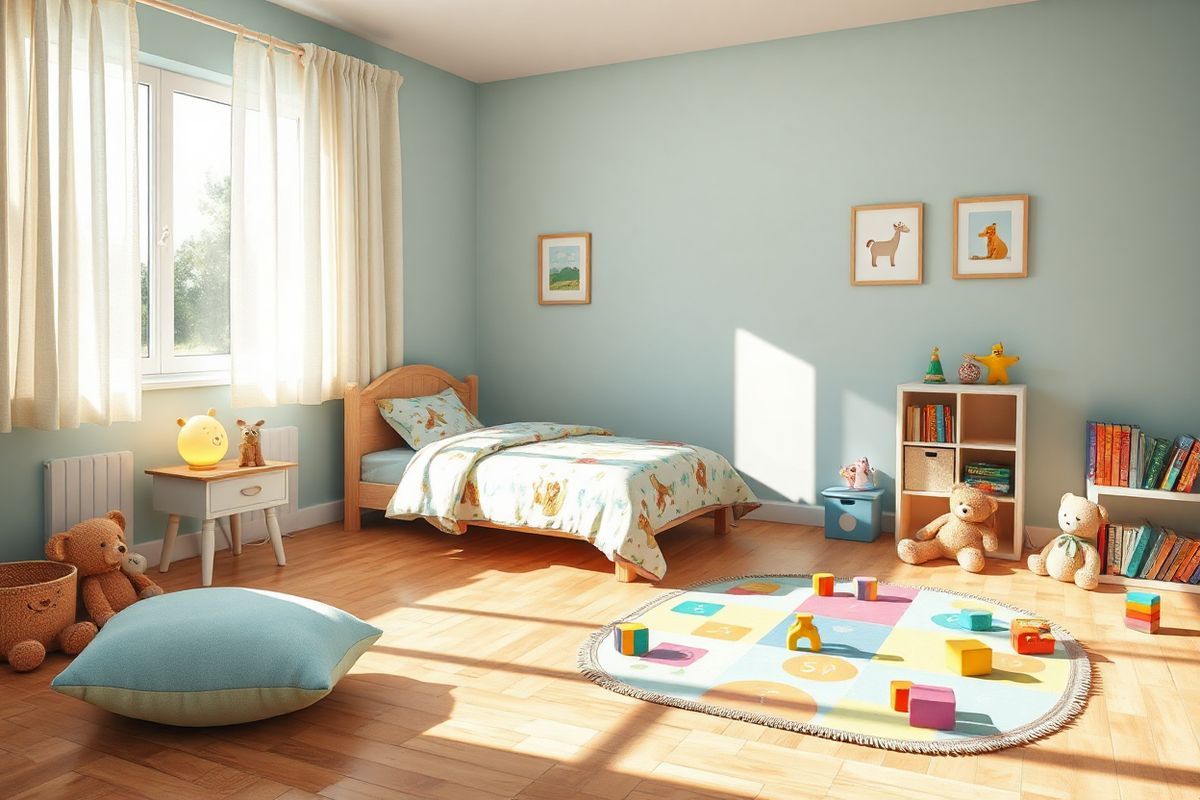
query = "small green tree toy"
{"x": 934, "y": 374}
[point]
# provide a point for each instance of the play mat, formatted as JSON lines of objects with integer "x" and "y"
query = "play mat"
{"x": 720, "y": 648}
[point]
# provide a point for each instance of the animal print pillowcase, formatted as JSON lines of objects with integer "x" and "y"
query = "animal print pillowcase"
{"x": 423, "y": 420}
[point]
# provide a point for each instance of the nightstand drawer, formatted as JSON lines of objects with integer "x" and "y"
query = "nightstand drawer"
{"x": 253, "y": 491}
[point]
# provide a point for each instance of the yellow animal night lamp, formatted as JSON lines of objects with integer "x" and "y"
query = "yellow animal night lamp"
{"x": 997, "y": 363}
{"x": 202, "y": 440}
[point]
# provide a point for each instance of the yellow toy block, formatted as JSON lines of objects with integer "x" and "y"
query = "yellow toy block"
{"x": 968, "y": 656}
{"x": 823, "y": 584}
{"x": 803, "y": 628}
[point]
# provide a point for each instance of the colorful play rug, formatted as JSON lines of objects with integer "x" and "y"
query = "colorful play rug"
{"x": 720, "y": 647}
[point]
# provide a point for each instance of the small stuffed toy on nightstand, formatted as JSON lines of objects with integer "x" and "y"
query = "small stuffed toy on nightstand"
{"x": 250, "y": 444}
{"x": 97, "y": 549}
{"x": 1072, "y": 555}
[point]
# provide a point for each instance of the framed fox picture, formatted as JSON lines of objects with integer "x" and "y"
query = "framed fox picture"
{"x": 565, "y": 269}
{"x": 885, "y": 244}
{"x": 991, "y": 236}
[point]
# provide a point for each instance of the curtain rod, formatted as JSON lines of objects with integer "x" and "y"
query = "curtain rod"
{"x": 196, "y": 16}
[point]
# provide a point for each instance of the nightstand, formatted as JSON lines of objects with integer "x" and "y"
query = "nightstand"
{"x": 226, "y": 490}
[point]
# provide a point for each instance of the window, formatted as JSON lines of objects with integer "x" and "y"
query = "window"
{"x": 184, "y": 141}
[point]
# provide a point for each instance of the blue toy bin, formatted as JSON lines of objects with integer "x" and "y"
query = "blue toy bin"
{"x": 853, "y": 514}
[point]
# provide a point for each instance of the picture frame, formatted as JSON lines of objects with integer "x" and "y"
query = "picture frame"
{"x": 991, "y": 237}
{"x": 886, "y": 244}
{"x": 564, "y": 270}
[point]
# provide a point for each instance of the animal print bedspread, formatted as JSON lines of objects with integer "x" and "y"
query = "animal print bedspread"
{"x": 614, "y": 492}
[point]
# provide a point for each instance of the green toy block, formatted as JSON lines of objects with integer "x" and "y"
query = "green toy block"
{"x": 975, "y": 620}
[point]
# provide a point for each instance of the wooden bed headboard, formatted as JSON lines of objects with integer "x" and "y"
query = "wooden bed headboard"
{"x": 365, "y": 429}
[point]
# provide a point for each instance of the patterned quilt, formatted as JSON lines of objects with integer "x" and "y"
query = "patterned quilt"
{"x": 615, "y": 492}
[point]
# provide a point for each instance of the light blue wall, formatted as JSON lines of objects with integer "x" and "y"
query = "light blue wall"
{"x": 717, "y": 187}
{"x": 437, "y": 128}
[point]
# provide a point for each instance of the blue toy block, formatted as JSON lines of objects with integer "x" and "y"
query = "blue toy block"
{"x": 975, "y": 620}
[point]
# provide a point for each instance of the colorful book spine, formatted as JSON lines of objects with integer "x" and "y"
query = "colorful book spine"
{"x": 1123, "y": 469}
{"x": 1181, "y": 556}
{"x": 1158, "y": 459}
{"x": 1187, "y": 478}
{"x": 1089, "y": 451}
{"x": 940, "y": 422}
{"x": 1148, "y": 537}
{"x": 1136, "y": 441}
{"x": 1170, "y": 554}
{"x": 1107, "y": 548}
{"x": 1106, "y": 455}
{"x": 1128, "y": 537}
{"x": 949, "y": 422}
{"x": 1114, "y": 468}
{"x": 1183, "y": 447}
{"x": 1187, "y": 563}
{"x": 1118, "y": 548}
{"x": 1192, "y": 569}
{"x": 1161, "y": 549}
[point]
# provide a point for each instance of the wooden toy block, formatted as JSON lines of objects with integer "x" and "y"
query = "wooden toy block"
{"x": 631, "y": 638}
{"x": 900, "y": 691}
{"x": 1141, "y": 625}
{"x": 823, "y": 584}
{"x": 1142, "y": 598}
{"x": 973, "y": 619}
{"x": 968, "y": 657}
{"x": 931, "y": 707}
{"x": 1141, "y": 615}
{"x": 866, "y": 588}
{"x": 803, "y": 628}
{"x": 1031, "y": 637}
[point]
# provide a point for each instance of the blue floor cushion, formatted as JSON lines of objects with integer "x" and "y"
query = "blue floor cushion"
{"x": 217, "y": 657}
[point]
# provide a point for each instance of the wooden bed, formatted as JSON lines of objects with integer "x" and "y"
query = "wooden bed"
{"x": 367, "y": 432}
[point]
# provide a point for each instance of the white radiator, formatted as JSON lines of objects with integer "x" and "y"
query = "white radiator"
{"x": 82, "y": 487}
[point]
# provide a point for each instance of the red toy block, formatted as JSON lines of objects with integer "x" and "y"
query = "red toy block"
{"x": 1032, "y": 637}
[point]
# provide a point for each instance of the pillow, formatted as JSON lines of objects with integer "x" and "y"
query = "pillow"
{"x": 422, "y": 420}
{"x": 216, "y": 657}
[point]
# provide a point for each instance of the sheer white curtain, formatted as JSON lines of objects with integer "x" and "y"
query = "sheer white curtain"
{"x": 69, "y": 313}
{"x": 316, "y": 256}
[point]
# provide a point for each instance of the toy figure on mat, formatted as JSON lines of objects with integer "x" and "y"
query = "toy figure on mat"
{"x": 997, "y": 363}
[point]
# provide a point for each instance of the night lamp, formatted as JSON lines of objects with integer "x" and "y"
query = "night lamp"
{"x": 202, "y": 440}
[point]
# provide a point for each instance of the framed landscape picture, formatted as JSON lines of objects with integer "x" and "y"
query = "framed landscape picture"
{"x": 991, "y": 236}
{"x": 565, "y": 269}
{"x": 885, "y": 244}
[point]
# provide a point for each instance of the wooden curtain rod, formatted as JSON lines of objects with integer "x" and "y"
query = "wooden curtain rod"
{"x": 196, "y": 16}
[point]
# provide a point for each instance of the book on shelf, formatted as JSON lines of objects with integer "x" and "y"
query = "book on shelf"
{"x": 1122, "y": 455}
{"x": 933, "y": 423}
{"x": 1152, "y": 553}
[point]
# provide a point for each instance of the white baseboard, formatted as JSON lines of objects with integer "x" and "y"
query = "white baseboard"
{"x": 187, "y": 545}
{"x": 804, "y": 514}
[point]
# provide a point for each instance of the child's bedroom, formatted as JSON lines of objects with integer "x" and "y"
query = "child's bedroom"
{"x": 544, "y": 399}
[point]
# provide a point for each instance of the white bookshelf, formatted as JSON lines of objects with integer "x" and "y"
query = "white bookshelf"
{"x": 1094, "y": 493}
{"x": 989, "y": 425}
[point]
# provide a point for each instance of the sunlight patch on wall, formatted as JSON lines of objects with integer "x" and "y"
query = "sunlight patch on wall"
{"x": 868, "y": 429}
{"x": 775, "y": 411}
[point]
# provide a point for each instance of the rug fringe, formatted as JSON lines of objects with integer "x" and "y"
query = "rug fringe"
{"x": 1068, "y": 707}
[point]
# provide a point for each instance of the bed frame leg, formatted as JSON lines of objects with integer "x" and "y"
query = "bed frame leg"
{"x": 351, "y": 519}
{"x": 721, "y": 520}
{"x": 624, "y": 572}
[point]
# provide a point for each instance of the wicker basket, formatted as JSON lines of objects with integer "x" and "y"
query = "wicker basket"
{"x": 37, "y": 600}
{"x": 928, "y": 469}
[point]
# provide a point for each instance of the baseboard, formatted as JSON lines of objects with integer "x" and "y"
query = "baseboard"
{"x": 187, "y": 545}
{"x": 804, "y": 514}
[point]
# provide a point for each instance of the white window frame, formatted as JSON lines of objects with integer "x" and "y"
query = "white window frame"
{"x": 162, "y": 368}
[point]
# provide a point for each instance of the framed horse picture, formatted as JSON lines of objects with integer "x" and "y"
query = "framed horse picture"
{"x": 991, "y": 237}
{"x": 885, "y": 244}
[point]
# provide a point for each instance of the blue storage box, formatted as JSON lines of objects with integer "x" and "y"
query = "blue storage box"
{"x": 854, "y": 514}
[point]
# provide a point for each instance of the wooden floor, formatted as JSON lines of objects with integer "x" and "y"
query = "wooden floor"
{"x": 472, "y": 693}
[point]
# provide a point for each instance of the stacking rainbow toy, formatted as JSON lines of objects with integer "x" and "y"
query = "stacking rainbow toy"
{"x": 1141, "y": 611}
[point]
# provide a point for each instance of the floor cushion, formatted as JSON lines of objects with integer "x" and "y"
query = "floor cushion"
{"x": 217, "y": 656}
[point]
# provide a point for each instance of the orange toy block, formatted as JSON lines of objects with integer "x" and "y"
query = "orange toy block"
{"x": 900, "y": 695}
{"x": 823, "y": 584}
{"x": 1032, "y": 637}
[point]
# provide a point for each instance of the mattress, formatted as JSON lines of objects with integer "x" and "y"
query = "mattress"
{"x": 386, "y": 466}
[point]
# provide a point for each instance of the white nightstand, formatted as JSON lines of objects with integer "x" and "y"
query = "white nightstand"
{"x": 227, "y": 490}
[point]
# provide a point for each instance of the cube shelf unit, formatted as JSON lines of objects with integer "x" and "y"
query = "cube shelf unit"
{"x": 989, "y": 425}
{"x": 1094, "y": 493}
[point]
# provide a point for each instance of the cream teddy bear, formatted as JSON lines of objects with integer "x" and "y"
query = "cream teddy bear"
{"x": 1072, "y": 555}
{"x": 963, "y": 534}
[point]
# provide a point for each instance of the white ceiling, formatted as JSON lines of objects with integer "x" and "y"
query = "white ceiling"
{"x": 491, "y": 40}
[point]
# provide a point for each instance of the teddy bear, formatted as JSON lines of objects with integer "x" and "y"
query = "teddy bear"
{"x": 1072, "y": 555}
{"x": 250, "y": 452}
{"x": 40, "y": 617}
{"x": 96, "y": 547}
{"x": 963, "y": 534}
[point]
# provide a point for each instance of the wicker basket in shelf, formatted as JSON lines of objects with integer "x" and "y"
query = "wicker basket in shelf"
{"x": 928, "y": 469}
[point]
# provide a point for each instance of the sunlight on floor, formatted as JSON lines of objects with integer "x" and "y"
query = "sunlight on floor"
{"x": 775, "y": 409}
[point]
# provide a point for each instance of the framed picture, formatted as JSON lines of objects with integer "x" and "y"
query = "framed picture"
{"x": 565, "y": 269}
{"x": 991, "y": 236}
{"x": 885, "y": 244}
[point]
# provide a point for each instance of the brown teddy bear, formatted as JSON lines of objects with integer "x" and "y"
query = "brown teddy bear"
{"x": 962, "y": 534}
{"x": 250, "y": 452}
{"x": 97, "y": 548}
{"x": 37, "y": 614}
{"x": 1072, "y": 555}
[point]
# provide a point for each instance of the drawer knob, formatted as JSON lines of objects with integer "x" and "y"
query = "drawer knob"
{"x": 250, "y": 491}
